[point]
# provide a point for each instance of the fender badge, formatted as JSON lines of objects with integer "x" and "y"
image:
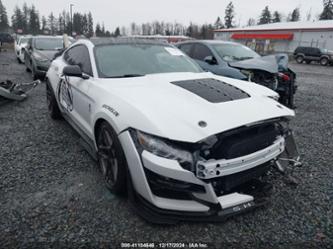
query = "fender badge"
{"x": 202, "y": 124}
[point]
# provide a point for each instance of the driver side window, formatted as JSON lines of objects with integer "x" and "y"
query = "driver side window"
{"x": 201, "y": 52}
{"x": 79, "y": 55}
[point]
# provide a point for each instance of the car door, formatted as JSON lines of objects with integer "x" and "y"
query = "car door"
{"x": 74, "y": 91}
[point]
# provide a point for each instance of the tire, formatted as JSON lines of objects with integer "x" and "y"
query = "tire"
{"x": 52, "y": 104}
{"x": 300, "y": 59}
{"x": 324, "y": 61}
{"x": 34, "y": 74}
{"x": 111, "y": 159}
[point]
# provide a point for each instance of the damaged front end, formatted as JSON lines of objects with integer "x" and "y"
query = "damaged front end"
{"x": 214, "y": 178}
{"x": 273, "y": 72}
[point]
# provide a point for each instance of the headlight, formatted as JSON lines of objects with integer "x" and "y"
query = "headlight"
{"x": 163, "y": 148}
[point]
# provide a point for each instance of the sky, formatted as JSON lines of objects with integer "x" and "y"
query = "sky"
{"x": 122, "y": 12}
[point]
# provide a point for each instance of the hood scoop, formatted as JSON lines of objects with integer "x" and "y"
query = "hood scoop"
{"x": 212, "y": 90}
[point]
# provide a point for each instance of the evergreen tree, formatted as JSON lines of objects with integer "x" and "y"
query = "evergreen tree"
{"x": 34, "y": 22}
{"x": 103, "y": 30}
{"x": 266, "y": 16}
{"x": 17, "y": 19}
{"x": 26, "y": 20}
{"x": 117, "y": 32}
{"x": 3, "y": 18}
{"x": 229, "y": 16}
{"x": 44, "y": 24}
{"x": 98, "y": 30}
{"x": 51, "y": 21}
{"x": 276, "y": 17}
{"x": 90, "y": 32}
{"x": 295, "y": 15}
{"x": 84, "y": 24}
{"x": 327, "y": 13}
{"x": 218, "y": 23}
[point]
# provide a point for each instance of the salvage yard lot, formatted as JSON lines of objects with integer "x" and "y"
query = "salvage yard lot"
{"x": 51, "y": 190}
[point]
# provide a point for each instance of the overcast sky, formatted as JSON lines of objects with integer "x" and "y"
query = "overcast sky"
{"x": 123, "y": 12}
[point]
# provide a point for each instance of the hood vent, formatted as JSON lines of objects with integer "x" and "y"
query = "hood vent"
{"x": 212, "y": 90}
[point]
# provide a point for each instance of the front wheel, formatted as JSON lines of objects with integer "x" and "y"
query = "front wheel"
{"x": 299, "y": 59}
{"x": 324, "y": 61}
{"x": 111, "y": 159}
{"x": 52, "y": 105}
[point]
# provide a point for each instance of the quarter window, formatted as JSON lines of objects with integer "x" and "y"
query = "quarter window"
{"x": 79, "y": 55}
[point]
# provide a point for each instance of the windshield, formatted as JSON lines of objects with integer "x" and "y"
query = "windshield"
{"x": 130, "y": 60}
{"x": 49, "y": 43}
{"x": 234, "y": 52}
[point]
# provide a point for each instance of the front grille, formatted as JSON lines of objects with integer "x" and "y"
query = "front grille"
{"x": 243, "y": 141}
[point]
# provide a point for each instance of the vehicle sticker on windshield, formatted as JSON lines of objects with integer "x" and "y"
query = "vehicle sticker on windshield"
{"x": 173, "y": 51}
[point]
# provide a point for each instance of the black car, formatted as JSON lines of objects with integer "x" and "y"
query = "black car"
{"x": 309, "y": 54}
{"x": 39, "y": 53}
{"x": 240, "y": 62}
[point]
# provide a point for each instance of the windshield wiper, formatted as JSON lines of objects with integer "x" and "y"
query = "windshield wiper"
{"x": 127, "y": 76}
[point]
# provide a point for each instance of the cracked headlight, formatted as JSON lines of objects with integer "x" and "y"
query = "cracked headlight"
{"x": 163, "y": 148}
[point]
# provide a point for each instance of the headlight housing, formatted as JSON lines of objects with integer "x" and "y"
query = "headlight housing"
{"x": 162, "y": 148}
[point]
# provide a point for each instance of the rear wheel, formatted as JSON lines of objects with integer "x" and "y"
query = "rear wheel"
{"x": 324, "y": 61}
{"x": 52, "y": 102}
{"x": 111, "y": 159}
{"x": 299, "y": 59}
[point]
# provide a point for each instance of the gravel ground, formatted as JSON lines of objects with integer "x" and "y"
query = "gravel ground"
{"x": 51, "y": 191}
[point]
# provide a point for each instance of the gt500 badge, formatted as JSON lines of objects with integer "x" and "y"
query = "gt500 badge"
{"x": 66, "y": 95}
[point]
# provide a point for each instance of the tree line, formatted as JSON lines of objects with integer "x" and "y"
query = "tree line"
{"x": 28, "y": 20}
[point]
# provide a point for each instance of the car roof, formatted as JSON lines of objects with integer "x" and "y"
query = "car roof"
{"x": 209, "y": 42}
{"x": 125, "y": 40}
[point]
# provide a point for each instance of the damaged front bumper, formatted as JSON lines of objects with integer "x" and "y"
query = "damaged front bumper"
{"x": 162, "y": 191}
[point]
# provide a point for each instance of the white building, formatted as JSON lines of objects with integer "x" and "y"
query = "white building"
{"x": 281, "y": 37}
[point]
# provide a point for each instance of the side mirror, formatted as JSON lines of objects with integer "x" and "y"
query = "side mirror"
{"x": 74, "y": 71}
{"x": 210, "y": 60}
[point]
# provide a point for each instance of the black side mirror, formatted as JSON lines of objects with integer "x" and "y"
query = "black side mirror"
{"x": 210, "y": 60}
{"x": 74, "y": 71}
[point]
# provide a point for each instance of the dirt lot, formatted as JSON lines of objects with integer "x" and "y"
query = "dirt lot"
{"x": 51, "y": 191}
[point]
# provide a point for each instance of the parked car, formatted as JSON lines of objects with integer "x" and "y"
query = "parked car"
{"x": 39, "y": 53}
{"x": 20, "y": 46}
{"x": 5, "y": 38}
{"x": 309, "y": 54}
{"x": 180, "y": 141}
{"x": 240, "y": 62}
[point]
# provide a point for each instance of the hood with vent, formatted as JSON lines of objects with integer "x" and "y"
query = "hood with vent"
{"x": 172, "y": 105}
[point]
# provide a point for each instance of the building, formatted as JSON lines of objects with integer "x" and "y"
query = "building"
{"x": 281, "y": 37}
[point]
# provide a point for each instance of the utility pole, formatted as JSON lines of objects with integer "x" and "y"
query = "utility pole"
{"x": 71, "y": 12}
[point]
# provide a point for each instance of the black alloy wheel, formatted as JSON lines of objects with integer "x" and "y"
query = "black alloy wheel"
{"x": 111, "y": 159}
